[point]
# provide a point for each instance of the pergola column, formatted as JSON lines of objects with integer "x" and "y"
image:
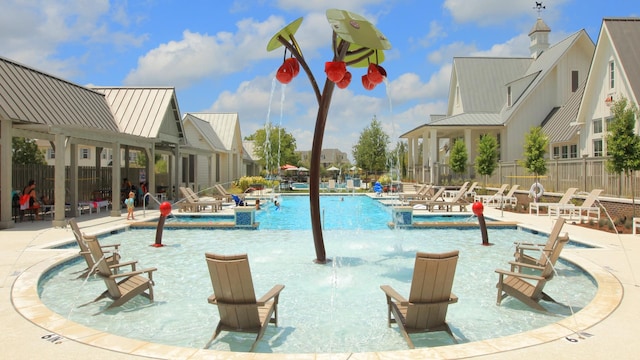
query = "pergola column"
{"x": 59, "y": 183}
{"x": 115, "y": 179}
{"x": 6, "y": 145}
{"x": 433, "y": 153}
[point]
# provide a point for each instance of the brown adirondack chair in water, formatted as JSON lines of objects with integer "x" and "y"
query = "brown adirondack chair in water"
{"x": 537, "y": 254}
{"x": 112, "y": 259}
{"x": 526, "y": 287}
{"x": 429, "y": 297}
{"x": 235, "y": 297}
{"x": 131, "y": 283}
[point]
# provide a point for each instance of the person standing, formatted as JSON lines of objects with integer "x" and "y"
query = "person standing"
{"x": 130, "y": 203}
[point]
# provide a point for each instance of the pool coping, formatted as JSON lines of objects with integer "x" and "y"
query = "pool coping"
{"x": 25, "y": 299}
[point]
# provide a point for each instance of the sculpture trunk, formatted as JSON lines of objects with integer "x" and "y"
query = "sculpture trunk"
{"x": 314, "y": 181}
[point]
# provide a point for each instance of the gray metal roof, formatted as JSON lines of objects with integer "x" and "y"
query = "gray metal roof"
{"x": 558, "y": 127}
{"x": 225, "y": 126}
{"x": 150, "y": 112}
{"x": 542, "y": 66}
{"x": 625, "y": 37}
{"x": 469, "y": 119}
{"x": 31, "y": 96}
{"x": 482, "y": 81}
{"x": 249, "y": 150}
{"x": 205, "y": 128}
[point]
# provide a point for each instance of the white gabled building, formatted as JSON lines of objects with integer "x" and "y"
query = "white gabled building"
{"x": 614, "y": 74}
{"x": 227, "y": 162}
{"x": 503, "y": 97}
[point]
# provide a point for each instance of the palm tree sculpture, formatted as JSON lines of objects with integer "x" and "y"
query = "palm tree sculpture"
{"x": 356, "y": 43}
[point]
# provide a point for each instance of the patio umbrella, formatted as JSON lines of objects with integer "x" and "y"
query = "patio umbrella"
{"x": 288, "y": 167}
{"x": 333, "y": 168}
{"x": 302, "y": 168}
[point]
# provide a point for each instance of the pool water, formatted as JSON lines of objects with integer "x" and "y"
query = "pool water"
{"x": 337, "y": 307}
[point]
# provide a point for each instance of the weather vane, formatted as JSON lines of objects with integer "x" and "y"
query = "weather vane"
{"x": 539, "y": 7}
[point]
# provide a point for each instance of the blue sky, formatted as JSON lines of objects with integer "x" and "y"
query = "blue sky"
{"x": 214, "y": 52}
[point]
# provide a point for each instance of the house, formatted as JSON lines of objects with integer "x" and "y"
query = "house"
{"x": 502, "y": 97}
{"x": 37, "y": 105}
{"x": 226, "y": 163}
{"x": 328, "y": 157}
{"x": 614, "y": 74}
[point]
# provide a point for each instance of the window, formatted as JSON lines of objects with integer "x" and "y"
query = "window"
{"x": 574, "y": 81}
{"x": 612, "y": 75}
{"x": 565, "y": 151}
{"x": 597, "y": 126}
{"x": 84, "y": 153}
{"x": 457, "y": 95}
{"x": 573, "y": 151}
{"x": 508, "y": 95}
{"x": 597, "y": 147}
{"x": 51, "y": 154}
{"x": 556, "y": 152}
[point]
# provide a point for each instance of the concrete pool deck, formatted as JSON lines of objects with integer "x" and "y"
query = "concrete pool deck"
{"x": 603, "y": 329}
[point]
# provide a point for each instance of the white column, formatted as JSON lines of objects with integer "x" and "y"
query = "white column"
{"x": 433, "y": 152}
{"x": 6, "y": 147}
{"x": 59, "y": 193}
{"x": 116, "y": 159}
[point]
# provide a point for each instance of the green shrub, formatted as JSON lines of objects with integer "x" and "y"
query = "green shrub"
{"x": 245, "y": 182}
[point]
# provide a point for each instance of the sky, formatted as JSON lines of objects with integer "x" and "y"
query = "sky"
{"x": 214, "y": 52}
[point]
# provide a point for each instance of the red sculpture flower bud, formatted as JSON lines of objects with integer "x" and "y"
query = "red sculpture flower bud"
{"x": 335, "y": 70}
{"x": 346, "y": 80}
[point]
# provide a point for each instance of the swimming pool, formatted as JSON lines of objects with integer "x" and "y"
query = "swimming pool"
{"x": 324, "y": 308}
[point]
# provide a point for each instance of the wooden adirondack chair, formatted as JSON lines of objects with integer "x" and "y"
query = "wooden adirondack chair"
{"x": 111, "y": 260}
{"x": 235, "y": 297}
{"x": 131, "y": 283}
{"x": 429, "y": 297}
{"x": 524, "y": 251}
{"x": 526, "y": 287}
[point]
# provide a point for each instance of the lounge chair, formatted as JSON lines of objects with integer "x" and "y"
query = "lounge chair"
{"x": 587, "y": 208}
{"x": 448, "y": 205}
{"x": 563, "y": 201}
{"x": 350, "y": 186}
{"x": 226, "y": 196}
{"x": 453, "y": 193}
{"x": 236, "y": 300}
{"x": 427, "y": 198}
{"x": 132, "y": 283}
{"x": 526, "y": 287}
{"x": 491, "y": 199}
{"x": 472, "y": 189}
{"x": 429, "y": 297}
{"x": 111, "y": 260}
{"x": 421, "y": 193}
{"x": 195, "y": 204}
{"x": 523, "y": 250}
{"x": 510, "y": 198}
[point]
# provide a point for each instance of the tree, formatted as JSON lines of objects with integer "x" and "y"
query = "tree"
{"x": 487, "y": 158}
{"x": 535, "y": 147}
{"x": 26, "y": 151}
{"x": 276, "y": 149}
{"x": 623, "y": 145}
{"x": 370, "y": 153}
{"x": 398, "y": 159}
{"x": 458, "y": 158}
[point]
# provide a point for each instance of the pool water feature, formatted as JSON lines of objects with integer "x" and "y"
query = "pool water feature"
{"x": 337, "y": 307}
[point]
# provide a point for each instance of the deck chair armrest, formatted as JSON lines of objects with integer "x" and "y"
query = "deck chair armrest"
{"x": 132, "y": 273}
{"x": 519, "y": 275}
{"x": 126, "y": 263}
{"x": 528, "y": 246}
{"x": 212, "y": 299}
{"x": 273, "y": 293}
{"x": 115, "y": 246}
{"x": 515, "y": 264}
{"x": 393, "y": 294}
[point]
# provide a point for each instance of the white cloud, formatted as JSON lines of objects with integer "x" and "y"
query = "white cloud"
{"x": 33, "y": 32}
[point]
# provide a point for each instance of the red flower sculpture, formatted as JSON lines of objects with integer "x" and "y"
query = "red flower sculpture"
{"x": 335, "y": 70}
